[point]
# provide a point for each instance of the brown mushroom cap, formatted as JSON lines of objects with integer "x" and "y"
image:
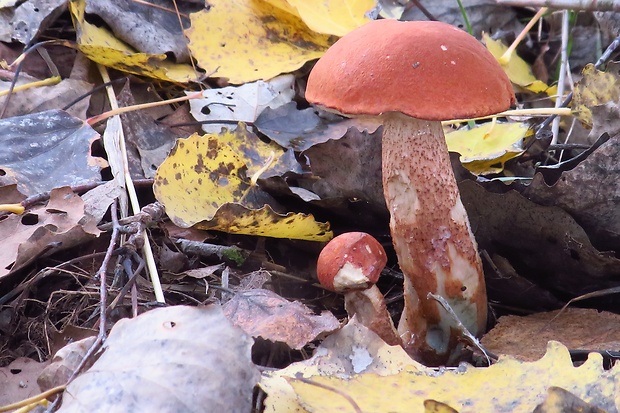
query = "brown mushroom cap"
{"x": 350, "y": 261}
{"x": 426, "y": 70}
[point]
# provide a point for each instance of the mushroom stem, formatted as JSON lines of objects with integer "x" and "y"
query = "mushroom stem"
{"x": 369, "y": 307}
{"x": 436, "y": 250}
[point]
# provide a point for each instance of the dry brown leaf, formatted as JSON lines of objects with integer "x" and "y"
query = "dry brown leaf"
{"x": 526, "y": 338}
{"x": 263, "y": 313}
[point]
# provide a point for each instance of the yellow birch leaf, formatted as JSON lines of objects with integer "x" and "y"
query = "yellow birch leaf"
{"x": 507, "y": 386}
{"x": 265, "y": 222}
{"x": 485, "y": 148}
{"x": 204, "y": 183}
{"x": 101, "y": 46}
{"x": 337, "y": 17}
{"x": 518, "y": 71}
{"x": 595, "y": 88}
{"x": 248, "y": 40}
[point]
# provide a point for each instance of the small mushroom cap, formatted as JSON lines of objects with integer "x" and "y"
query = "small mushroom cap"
{"x": 350, "y": 261}
{"x": 426, "y": 70}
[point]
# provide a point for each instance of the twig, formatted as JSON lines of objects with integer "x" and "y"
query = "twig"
{"x": 589, "y": 5}
{"x": 462, "y": 329}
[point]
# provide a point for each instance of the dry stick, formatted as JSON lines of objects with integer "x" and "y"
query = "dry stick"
{"x": 103, "y": 296}
{"x": 555, "y": 128}
{"x": 131, "y": 190}
{"x": 508, "y": 53}
{"x": 589, "y": 5}
{"x": 20, "y": 63}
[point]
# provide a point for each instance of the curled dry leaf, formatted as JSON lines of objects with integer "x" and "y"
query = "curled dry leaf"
{"x": 263, "y": 313}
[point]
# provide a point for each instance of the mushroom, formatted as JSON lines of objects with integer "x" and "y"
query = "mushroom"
{"x": 413, "y": 75}
{"x": 351, "y": 264}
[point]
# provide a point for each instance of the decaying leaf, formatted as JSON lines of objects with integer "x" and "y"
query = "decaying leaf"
{"x": 544, "y": 243}
{"x": 589, "y": 192}
{"x": 35, "y": 149}
{"x": 518, "y": 71}
{"x": 19, "y": 380}
{"x": 526, "y": 338}
{"x": 100, "y": 46}
{"x": 242, "y": 103}
{"x": 508, "y": 386}
{"x": 595, "y": 88}
{"x": 59, "y": 225}
{"x": 352, "y": 350}
{"x": 247, "y": 40}
{"x": 263, "y": 313}
{"x": 485, "y": 148}
{"x": 169, "y": 360}
{"x": 265, "y": 222}
{"x": 205, "y": 182}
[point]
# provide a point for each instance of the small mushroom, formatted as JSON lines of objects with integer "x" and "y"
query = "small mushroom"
{"x": 351, "y": 264}
{"x": 412, "y": 75}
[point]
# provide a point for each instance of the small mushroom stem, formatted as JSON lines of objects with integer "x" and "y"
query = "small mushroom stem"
{"x": 369, "y": 307}
{"x": 436, "y": 250}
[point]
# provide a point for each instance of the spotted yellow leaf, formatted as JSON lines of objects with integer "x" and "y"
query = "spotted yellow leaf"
{"x": 485, "y": 148}
{"x": 101, "y": 46}
{"x": 517, "y": 69}
{"x": 205, "y": 182}
{"x": 248, "y": 40}
{"x": 595, "y": 88}
{"x": 237, "y": 219}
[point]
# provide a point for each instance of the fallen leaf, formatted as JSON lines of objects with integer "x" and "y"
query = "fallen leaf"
{"x": 243, "y": 103}
{"x": 595, "y": 88}
{"x": 337, "y": 17}
{"x": 526, "y": 338}
{"x": 484, "y": 149}
{"x": 544, "y": 243}
{"x": 36, "y": 148}
{"x": 64, "y": 363}
{"x": 265, "y": 222}
{"x": 589, "y": 192}
{"x": 351, "y": 350}
{"x": 518, "y": 71}
{"x": 246, "y": 40}
{"x": 18, "y": 380}
{"x": 169, "y": 360}
{"x": 99, "y": 45}
{"x": 509, "y": 385}
{"x": 263, "y": 313}
{"x": 561, "y": 401}
{"x": 149, "y": 28}
{"x": 59, "y": 225}
{"x": 205, "y": 182}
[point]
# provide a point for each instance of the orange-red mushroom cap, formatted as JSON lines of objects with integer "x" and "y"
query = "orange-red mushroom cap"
{"x": 426, "y": 70}
{"x": 350, "y": 261}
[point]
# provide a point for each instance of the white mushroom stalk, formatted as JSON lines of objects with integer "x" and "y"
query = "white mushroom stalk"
{"x": 431, "y": 236}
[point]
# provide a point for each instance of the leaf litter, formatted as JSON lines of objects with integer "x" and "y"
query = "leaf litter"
{"x": 271, "y": 187}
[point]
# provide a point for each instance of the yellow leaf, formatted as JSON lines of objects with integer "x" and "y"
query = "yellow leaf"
{"x": 518, "y": 71}
{"x": 508, "y": 386}
{"x": 337, "y": 17}
{"x": 200, "y": 175}
{"x": 485, "y": 148}
{"x": 237, "y": 219}
{"x": 204, "y": 182}
{"x": 595, "y": 88}
{"x": 263, "y": 160}
{"x": 247, "y": 40}
{"x": 100, "y": 46}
